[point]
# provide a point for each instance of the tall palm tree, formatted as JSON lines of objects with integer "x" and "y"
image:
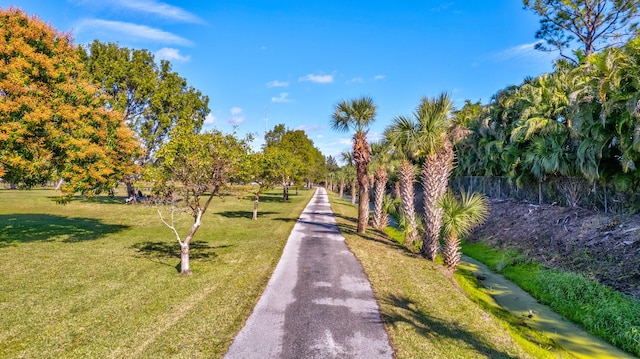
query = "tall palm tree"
{"x": 458, "y": 219}
{"x": 402, "y": 135}
{"x": 436, "y": 132}
{"x": 356, "y": 115}
{"x": 381, "y": 161}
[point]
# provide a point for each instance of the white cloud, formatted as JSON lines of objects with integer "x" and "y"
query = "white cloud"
{"x": 374, "y": 136}
{"x": 522, "y": 52}
{"x": 237, "y": 117}
{"x": 309, "y": 128}
{"x": 356, "y": 80}
{"x": 379, "y": 77}
{"x": 277, "y": 83}
{"x": 210, "y": 119}
{"x": 161, "y": 9}
{"x": 442, "y": 7}
{"x": 345, "y": 141}
{"x": 282, "y": 98}
{"x": 319, "y": 79}
{"x": 133, "y": 31}
{"x": 171, "y": 54}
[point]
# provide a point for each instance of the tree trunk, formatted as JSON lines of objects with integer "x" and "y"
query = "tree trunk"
{"x": 407, "y": 195}
{"x": 131, "y": 191}
{"x": 396, "y": 190}
{"x": 539, "y": 191}
{"x": 59, "y": 184}
{"x": 451, "y": 252}
{"x": 353, "y": 192}
{"x": 435, "y": 179}
{"x": 185, "y": 267}
{"x": 256, "y": 199}
{"x": 363, "y": 208}
{"x": 379, "y": 221}
{"x": 341, "y": 189}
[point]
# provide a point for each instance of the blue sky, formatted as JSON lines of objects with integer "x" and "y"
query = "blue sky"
{"x": 297, "y": 59}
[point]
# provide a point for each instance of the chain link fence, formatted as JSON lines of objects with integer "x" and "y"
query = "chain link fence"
{"x": 561, "y": 191}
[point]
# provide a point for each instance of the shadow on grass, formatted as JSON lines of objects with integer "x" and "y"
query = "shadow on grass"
{"x": 24, "y": 228}
{"x": 267, "y": 198}
{"x": 405, "y": 311}
{"x": 160, "y": 251}
{"x": 244, "y": 214}
{"x": 351, "y": 228}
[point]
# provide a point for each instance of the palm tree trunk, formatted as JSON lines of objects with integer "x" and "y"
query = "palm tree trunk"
{"x": 381, "y": 183}
{"x": 435, "y": 178}
{"x": 451, "y": 252}
{"x": 363, "y": 208}
{"x": 361, "y": 157}
{"x": 407, "y": 195}
{"x": 353, "y": 192}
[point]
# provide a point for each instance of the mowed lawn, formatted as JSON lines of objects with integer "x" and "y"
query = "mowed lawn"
{"x": 99, "y": 279}
{"x": 426, "y": 313}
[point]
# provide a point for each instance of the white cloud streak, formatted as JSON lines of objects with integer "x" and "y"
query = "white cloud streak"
{"x": 311, "y": 128}
{"x": 277, "y": 83}
{"x": 237, "y": 116}
{"x": 210, "y": 119}
{"x": 161, "y": 9}
{"x": 319, "y": 79}
{"x": 284, "y": 97}
{"x": 171, "y": 54}
{"x": 522, "y": 51}
{"x": 141, "y": 32}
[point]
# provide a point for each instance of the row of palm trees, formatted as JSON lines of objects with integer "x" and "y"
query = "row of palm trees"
{"x": 578, "y": 123}
{"x": 424, "y": 140}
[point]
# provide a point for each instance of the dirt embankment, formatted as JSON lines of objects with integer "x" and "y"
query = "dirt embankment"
{"x": 604, "y": 247}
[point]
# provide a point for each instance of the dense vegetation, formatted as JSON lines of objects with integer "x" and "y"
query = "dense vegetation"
{"x": 578, "y": 126}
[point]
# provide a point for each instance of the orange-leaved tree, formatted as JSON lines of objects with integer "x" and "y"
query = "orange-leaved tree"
{"x": 53, "y": 122}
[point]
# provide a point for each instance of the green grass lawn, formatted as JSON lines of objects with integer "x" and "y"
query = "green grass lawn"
{"x": 426, "y": 312}
{"x": 97, "y": 278}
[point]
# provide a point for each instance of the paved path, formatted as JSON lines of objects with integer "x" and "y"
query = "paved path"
{"x": 318, "y": 303}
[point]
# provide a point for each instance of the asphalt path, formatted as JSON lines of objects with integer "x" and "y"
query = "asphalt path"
{"x": 318, "y": 302}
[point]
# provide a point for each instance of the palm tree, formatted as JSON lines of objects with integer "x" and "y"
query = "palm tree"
{"x": 403, "y": 137}
{"x": 341, "y": 178}
{"x": 381, "y": 158}
{"x": 356, "y": 115}
{"x": 350, "y": 173}
{"x": 458, "y": 219}
{"x": 436, "y": 147}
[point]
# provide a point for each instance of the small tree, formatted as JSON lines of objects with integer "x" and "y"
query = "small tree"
{"x": 260, "y": 170}
{"x": 188, "y": 167}
{"x": 592, "y": 24}
{"x": 458, "y": 219}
